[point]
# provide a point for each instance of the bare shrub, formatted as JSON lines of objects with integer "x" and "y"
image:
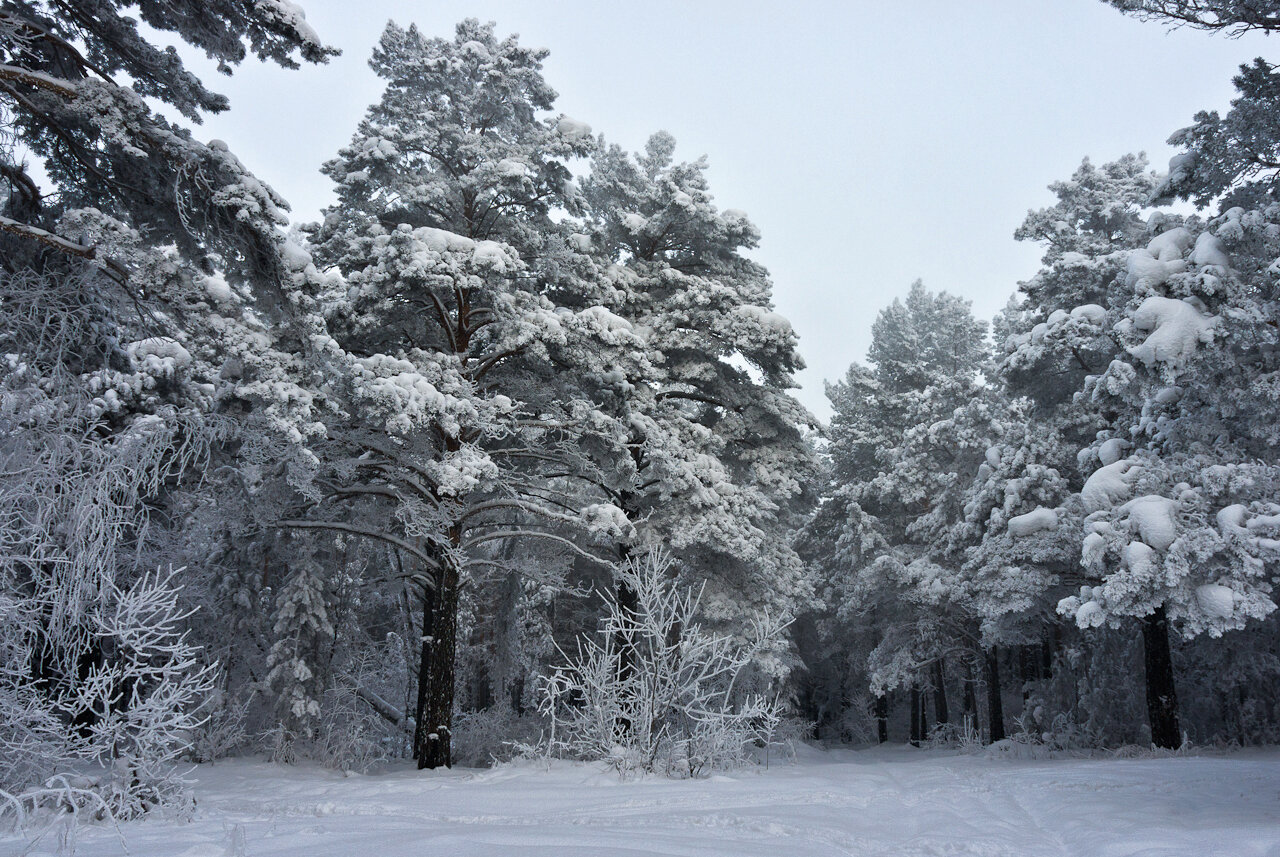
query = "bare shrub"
{"x": 653, "y": 691}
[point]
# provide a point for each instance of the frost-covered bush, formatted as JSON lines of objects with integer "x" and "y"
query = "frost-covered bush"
{"x": 107, "y": 736}
{"x": 493, "y": 734}
{"x": 99, "y": 682}
{"x": 224, "y": 729}
{"x": 653, "y": 691}
{"x": 351, "y": 736}
{"x": 964, "y": 736}
{"x": 1028, "y": 741}
{"x": 1062, "y": 733}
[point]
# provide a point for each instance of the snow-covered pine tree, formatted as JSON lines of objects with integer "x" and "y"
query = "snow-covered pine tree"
{"x": 1125, "y": 311}
{"x": 470, "y": 320}
{"x": 1181, "y": 495}
{"x": 715, "y": 461}
{"x": 1183, "y": 499}
{"x": 101, "y": 144}
{"x": 895, "y": 480}
{"x": 1021, "y": 523}
{"x": 109, "y": 299}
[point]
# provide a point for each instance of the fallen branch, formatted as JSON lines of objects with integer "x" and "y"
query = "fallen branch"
{"x": 385, "y": 710}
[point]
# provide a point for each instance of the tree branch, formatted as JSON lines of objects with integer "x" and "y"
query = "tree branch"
{"x": 83, "y": 251}
{"x": 536, "y": 534}
{"x": 342, "y": 527}
{"x": 39, "y": 80}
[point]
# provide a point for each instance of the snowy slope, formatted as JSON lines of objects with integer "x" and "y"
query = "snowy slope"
{"x": 890, "y": 801}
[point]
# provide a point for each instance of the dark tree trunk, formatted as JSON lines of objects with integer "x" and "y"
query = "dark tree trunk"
{"x": 1241, "y": 731}
{"x": 432, "y": 737}
{"x": 880, "y": 708}
{"x": 970, "y": 697}
{"x": 1026, "y": 671}
{"x": 1162, "y": 698}
{"x": 628, "y": 598}
{"x": 427, "y": 640}
{"x": 629, "y": 604}
{"x": 940, "y": 711}
{"x": 517, "y": 696}
{"x": 915, "y": 717}
{"x": 1048, "y": 649}
{"x": 995, "y": 706}
{"x": 481, "y": 696}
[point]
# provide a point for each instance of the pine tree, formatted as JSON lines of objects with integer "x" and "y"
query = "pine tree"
{"x": 469, "y": 323}
{"x": 897, "y": 482}
{"x": 715, "y": 455}
{"x": 104, "y": 148}
{"x": 1130, "y": 308}
{"x": 111, "y": 288}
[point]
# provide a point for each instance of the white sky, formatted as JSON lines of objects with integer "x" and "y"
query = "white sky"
{"x": 873, "y": 141}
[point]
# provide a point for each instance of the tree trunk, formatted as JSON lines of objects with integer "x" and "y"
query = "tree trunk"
{"x": 424, "y": 673}
{"x": 880, "y": 708}
{"x": 995, "y": 707}
{"x": 940, "y": 711}
{"x": 516, "y": 690}
{"x": 970, "y": 697}
{"x": 629, "y": 604}
{"x": 1241, "y": 731}
{"x": 1048, "y": 649}
{"x": 432, "y": 737}
{"x": 915, "y": 716}
{"x": 1026, "y": 672}
{"x": 1162, "y": 698}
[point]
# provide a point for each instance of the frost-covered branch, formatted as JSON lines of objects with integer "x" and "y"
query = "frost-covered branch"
{"x": 367, "y": 532}
{"x": 499, "y": 535}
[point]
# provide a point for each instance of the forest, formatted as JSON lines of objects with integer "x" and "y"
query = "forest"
{"x": 499, "y": 459}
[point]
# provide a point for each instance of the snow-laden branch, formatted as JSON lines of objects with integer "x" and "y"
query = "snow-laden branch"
{"x": 535, "y": 534}
{"x": 39, "y": 80}
{"x": 520, "y": 505}
{"x": 343, "y": 527}
{"x": 62, "y": 245}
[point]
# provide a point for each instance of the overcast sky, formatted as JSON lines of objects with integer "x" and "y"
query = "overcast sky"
{"x": 872, "y": 142}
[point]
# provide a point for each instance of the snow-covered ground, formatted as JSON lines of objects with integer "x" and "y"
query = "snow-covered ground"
{"x": 889, "y": 801}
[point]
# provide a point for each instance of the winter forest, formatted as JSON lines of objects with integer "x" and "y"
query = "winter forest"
{"x": 498, "y": 462}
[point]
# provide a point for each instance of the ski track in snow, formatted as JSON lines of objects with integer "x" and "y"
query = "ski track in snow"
{"x": 888, "y": 801}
